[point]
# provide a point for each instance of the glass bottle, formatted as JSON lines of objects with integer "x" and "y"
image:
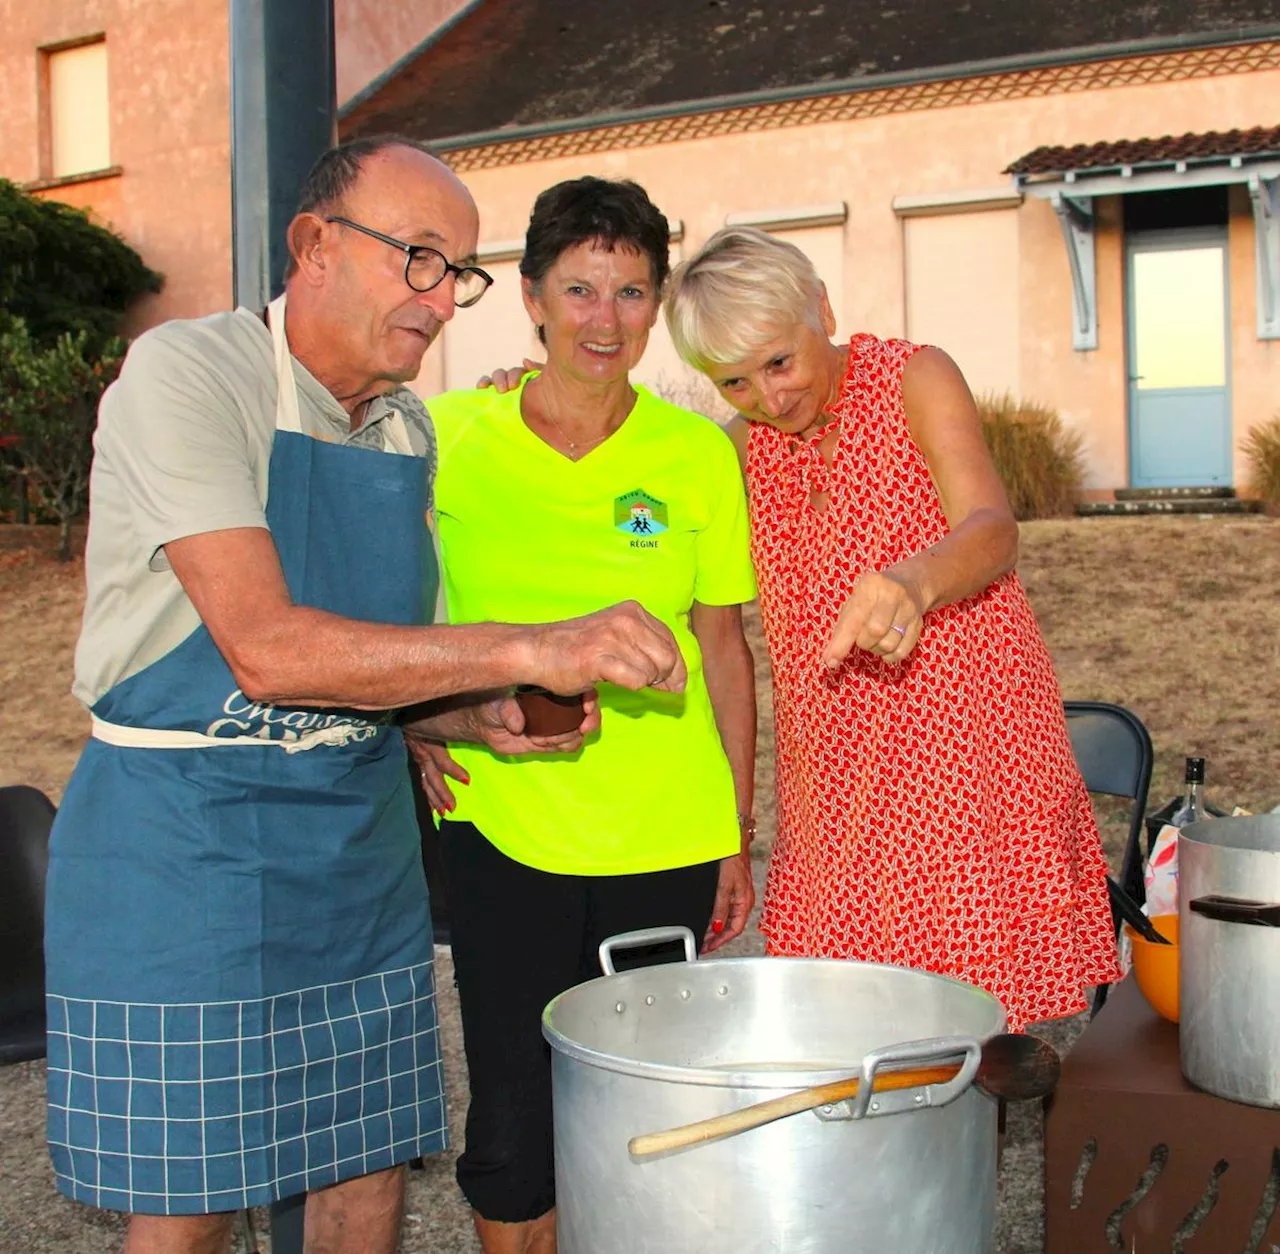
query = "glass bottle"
{"x": 1192, "y": 809}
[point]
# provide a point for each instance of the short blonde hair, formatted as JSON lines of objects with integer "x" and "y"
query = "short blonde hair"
{"x": 741, "y": 289}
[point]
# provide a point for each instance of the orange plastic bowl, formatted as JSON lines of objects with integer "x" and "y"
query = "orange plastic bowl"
{"x": 1156, "y": 966}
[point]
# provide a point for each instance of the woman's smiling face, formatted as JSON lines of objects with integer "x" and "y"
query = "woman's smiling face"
{"x": 789, "y": 380}
{"x": 596, "y": 307}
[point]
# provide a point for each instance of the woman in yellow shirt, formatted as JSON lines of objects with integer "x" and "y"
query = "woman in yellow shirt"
{"x": 576, "y": 490}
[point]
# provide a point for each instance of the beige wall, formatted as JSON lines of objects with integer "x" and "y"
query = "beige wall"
{"x": 1088, "y": 388}
{"x": 962, "y": 292}
{"x": 867, "y": 163}
{"x": 168, "y": 93}
{"x": 1254, "y": 363}
{"x": 474, "y": 341}
{"x": 372, "y": 35}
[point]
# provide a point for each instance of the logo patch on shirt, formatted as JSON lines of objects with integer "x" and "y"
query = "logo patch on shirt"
{"x": 642, "y": 516}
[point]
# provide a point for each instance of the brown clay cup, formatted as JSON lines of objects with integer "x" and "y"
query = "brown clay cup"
{"x": 548, "y": 713}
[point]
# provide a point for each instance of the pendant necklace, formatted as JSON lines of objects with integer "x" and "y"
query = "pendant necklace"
{"x": 574, "y": 445}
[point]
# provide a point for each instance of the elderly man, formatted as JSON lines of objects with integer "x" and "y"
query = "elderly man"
{"x": 241, "y": 1004}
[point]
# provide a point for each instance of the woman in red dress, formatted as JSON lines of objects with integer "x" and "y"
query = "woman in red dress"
{"x": 930, "y": 813}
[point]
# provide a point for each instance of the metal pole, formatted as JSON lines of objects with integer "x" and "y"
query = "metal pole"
{"x": 283, "y": 116}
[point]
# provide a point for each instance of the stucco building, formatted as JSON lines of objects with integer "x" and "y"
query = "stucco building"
{"x": 125, "y": 109}
{"x": 954, "y": 171}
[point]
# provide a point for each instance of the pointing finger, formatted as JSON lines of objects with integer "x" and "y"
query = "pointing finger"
{"x": 849, "y": 627}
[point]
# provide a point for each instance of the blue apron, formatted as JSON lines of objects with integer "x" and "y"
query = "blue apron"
{"x": 240, "y": 991}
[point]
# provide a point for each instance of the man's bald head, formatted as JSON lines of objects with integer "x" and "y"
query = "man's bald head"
{"x": 368, "y": 208}
{"x": 337, "y": 172}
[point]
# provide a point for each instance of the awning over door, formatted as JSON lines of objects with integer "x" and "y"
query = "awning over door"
{"x": 1070, "y": 177}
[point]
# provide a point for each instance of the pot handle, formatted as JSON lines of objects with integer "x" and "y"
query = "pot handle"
{"x": 930, "y": 1052}
{"x": 1237, "y": 910}
{"x": 646, "y": 936}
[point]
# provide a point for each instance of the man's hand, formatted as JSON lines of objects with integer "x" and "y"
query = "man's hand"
{"x": 623, "y": 645}
{"x": 497, "y": 723}
{"x": 508, "y": 380}
{"x": 735, "y": 895}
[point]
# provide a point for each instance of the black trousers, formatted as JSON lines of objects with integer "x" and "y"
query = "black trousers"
{"x": 520, "y": 936}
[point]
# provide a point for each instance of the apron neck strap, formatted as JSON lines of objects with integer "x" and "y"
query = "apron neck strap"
{"x": 287, "y": 416}
{"x": 395, "y": 432}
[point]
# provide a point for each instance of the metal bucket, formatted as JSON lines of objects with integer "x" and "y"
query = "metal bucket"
{"x": 907, "y": 1172}
{"x": 1229, "y": 965}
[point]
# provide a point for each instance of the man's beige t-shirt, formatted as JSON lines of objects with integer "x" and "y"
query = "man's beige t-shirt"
{"x": 183, "y": 447}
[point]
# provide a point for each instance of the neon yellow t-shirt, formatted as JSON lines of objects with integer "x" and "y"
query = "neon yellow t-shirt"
{"x": 656, "y": 514}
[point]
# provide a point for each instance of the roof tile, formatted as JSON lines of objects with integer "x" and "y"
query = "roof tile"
{"x": 521, "y": 63}
{"x": 1261, "y": 140}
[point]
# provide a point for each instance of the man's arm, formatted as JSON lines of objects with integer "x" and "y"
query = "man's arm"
{"x": 291, "y": 654}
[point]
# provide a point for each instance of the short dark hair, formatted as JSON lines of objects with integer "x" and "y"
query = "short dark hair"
{"x": 336, "y": 171}
{"x": 617, "y": 213}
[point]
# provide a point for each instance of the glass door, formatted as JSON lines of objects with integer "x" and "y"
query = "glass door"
{"x": 1179, "y": 402}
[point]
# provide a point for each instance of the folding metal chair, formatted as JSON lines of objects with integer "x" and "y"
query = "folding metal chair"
{"x": 26, "y": 815}
{"x": 1113, "y": 751}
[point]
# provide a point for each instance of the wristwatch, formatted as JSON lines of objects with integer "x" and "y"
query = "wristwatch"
{"x": 747, "y": 825}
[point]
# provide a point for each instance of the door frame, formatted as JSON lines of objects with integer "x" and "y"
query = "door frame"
{"x": 1175, "y": 239}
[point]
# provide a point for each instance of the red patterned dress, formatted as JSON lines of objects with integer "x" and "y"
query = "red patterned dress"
{"x": 930, "y": 814}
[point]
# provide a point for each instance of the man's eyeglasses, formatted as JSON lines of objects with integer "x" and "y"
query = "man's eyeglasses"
{"x": 425, "y": 268}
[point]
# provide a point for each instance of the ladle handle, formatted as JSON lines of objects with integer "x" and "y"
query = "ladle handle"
{"x": 720, "y": 1126}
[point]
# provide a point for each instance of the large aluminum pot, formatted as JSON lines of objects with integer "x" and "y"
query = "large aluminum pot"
{"x": 1229, "y": 974}
{"x": 907, "y": 1172}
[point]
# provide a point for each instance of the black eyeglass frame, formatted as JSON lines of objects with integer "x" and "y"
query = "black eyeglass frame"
{"x": 412, "y": 251}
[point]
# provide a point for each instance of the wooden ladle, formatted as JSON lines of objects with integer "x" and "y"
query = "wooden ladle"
{"x": 1015, "y": 1067}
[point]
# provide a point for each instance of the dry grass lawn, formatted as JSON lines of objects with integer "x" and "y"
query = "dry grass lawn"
{"x": 1176, "y": 618}
{"x": 42, "y": 727}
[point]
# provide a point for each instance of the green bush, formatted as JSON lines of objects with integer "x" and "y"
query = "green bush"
{"x": 1037, "y": 458}
{"x": 62, "y": 272}
{"x": 66, "y": 283}
{"x": 9, "y": 487}
{"x": 1262, "y": 449}
{"x": 48, "y": 407}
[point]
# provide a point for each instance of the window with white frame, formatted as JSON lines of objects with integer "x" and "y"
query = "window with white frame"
{"x": 79, "y": 116}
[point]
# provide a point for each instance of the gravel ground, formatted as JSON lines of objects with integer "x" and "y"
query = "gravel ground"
{"x": 34, "y": 1219}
